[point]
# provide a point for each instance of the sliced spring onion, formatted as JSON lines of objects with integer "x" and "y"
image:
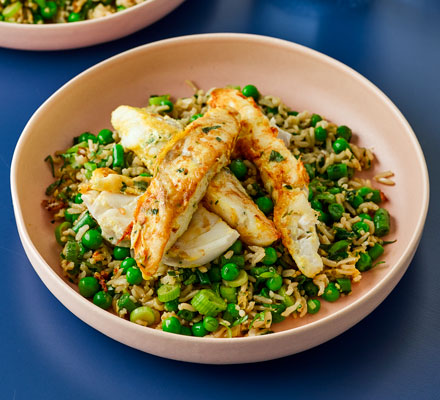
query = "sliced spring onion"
{"x": 228, "y": 293}
{"x": 168, "y": 292}
{"x": 143, "y": 313}
{"x": 72, "y": 251}
{"x": 11, "y": 10}
{"x": 59, "y": 230}
{"x": 86, "y": 219}
{"x": 206, "y": 302}
{"x": 241, "y": 279}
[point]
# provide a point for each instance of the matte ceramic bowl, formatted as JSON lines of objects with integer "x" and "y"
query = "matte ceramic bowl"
{"x": 306, "y": 80}
{"x": 84, "y": 33}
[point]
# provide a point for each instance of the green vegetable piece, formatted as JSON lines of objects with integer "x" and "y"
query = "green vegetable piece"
{"x": 210, "y": 324}
{"x": 320, "y": 134}
{"x": 376, "y": 251}
{"x": 230, "y": 271}
{"x": 338, "y": 247}
{"x": 310, "y": 170}
{"x": 241, "y": 279}
{"x": 118, "y": 156}
{"x": 50, "y": 10}
{"x": 316, "y": 205}
{"x": 78, "y": 199}
{"x": 365, "y": 216}
{"x": 199, "y": 330}
{"x": 155, "y": 100}
{"x": 206, "y": 302}
{"x": 310, "y": 288}
{"x": 274, "y": 283}
{"x": 344, "y": 132}
{"x": 237, "y": 247}
{"x": 375, "y": 196}
{"x": 360, "y": 228}
{"x": 186, "y": 330}
{"x": 171, "y": 325}
{"x": 340, "y": 145}
{"x": 12, "y": 9}
{"x": 126, "y": 302}
{"x": 270, "y": 256}
{"x": 251, "y": 91}
{"x": 186, "y": 315}
{"x": 172, "y": 305}
{"x": 313, "y": 306}
{"x": 265, "y": 204}
{"x": 102, "y": 299}
{"x": 92, "y": 239}
{"x": 72, "y": 251}
{"x": 326, "y": 198}
{"x": 88, "y": 286}
{"x": 120, "y": 253}
{"x": 74, "y": 17}
{"x": 70, "y": 217}
{"x": 59, "y": 230}
{"x": 128, "y": 263}
{"x": 143, "y": 313}
{"x": 336, "y": 210}
{"x": 134, "y": 276}
{"x": 337, "y": 171}
{"x": 203, "y": 277}
{"x": 228, "y": 293}
{"x": 214, "y": 274}
{"x": 165, "y": 102}
{"x": 294, "y": 113}
{"x": 195, "y": 116}
{"x": 233, "y": 310}
{"x": 344, "y": 285}
{"x": 238, "y": 168}
{"x": 83, "y": 140}
{"x": 86, "y": 219}
{"x": 315, "y": 119}
{"x": 275, "y": 156}
{"x": 105, "y": 136}
{"x": 364, "y": 263}
{"x": 324, "y": 217}
{"x": 168, "y": 292}
{"x": 381, "y": 222}
{"x": 364, "y": 191}
{"x": 331, "y": 293}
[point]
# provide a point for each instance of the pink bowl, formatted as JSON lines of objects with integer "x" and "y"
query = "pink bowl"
{"x": 305, "y": 80}
{"x": 84, "y": 33}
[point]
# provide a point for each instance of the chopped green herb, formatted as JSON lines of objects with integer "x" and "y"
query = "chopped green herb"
{"x": 49, "y": 159}
{"x": 154, "y": 211}
{"x": 207, "y": 129}
{"x": 275, "y": 156}
{"x": 53, "y": 186}
{"x": 218, "y": 139}
{"x": 288, "y": 187}
{"x": 141, "y": 185}
{"x": 123, "y": 187}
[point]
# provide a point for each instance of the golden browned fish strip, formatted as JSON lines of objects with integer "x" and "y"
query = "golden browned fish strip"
{"x": 284, "y": 177}
{"x": 191, "y": 161}
{"x": 227, "y": 198}
{"x": 146, "y": 137}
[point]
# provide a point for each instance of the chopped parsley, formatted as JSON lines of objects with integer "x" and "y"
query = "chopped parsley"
{"x": 183, "y": 171}
{"x": 288, "y": 187}
{"x": 154, "y": 211}
{"x": 275, "y": 156}
{"x": 207, "y": 129}
{"x": 218, "y": 139}
{"x": 49, "y": 159}
{"x": 141, "y": 185}
{"x": 123, "y": 187}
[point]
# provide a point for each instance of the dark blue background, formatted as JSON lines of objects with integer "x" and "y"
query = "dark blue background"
{"x": 47, "y": 353}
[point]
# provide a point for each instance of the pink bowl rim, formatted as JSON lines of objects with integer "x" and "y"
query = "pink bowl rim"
{"x": 396, "y": 270}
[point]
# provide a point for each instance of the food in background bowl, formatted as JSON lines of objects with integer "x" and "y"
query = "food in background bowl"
{"x": 287, "y": 225}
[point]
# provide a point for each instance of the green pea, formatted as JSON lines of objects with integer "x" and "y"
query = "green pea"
{"x": 74, "y": 17}
{"x": 337, "y": 171}
{"x": 331, "y": 293}
{"x": 381, "y": 222}
{"x": 78, "y": 199}
{"x": 166, "y": 102}
{"x": 265, "y": 204}
{"x": 186, "y": 330}
{"x": 92, "y": 239}
{"x": 228, "y": 293}
{"x": 120, "y": 8}
{"x": 126, "y": 302}
{"x": 364, "y": 263}
{"x": 232, "y": 309}
{"x": 50, "y": 10}
{"x": 238, "y": 168}
{"x": 88, "y": 286}
{"x": 315, "y": 119}
{"x": 344, "y": 285}
{"x": 270, "y": 256}
{"x": 310, "y": 288}
{"x": 134, "y": 276}
{"x": 199, "y": 330}
{"x": 171, "y": 325}
{"x": 363, "y": 191}
{"x": 143, "y": 313}
{"x": 251, "y": 91}
{"x": 376, "y": 251}
{"x": 172, "y": 305}
{"x": 344, "y": 132}
{"x": 237, "y": 247}
{"x": 316, "y": 205}
{"x": 102, "y": 299}
{"x": 118, "y": 156}
{"x": 313, "y": 306}
{"x": 340, "y": 144}
{"x": 105, "y": 136}
{"x": 335, "y": 190}
{"x": 320, "y": 134}
{"x": 86, "y": 136}
{"x": 214, "y": 274}
{"x": 210, "y": 324}
{"x": 336, "y": 210}
{"x": 129, "y": 262}
{"x": 230, "y": 271}
{"x": 274, "y": 283}
{"x": 70, "y": 217}
{"x": 120, "y": 253}
{"x": 361, "y": 228}
{"x": 195, "y": 116}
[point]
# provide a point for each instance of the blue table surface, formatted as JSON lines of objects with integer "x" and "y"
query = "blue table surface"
{"x": 394, "y": 353}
